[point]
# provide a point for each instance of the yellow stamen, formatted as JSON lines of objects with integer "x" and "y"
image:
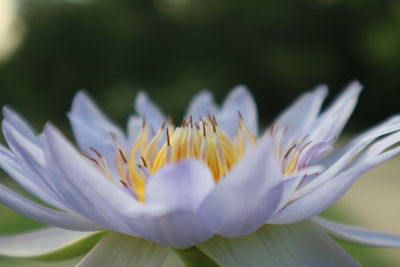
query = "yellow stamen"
{"x": 208, "y": 143}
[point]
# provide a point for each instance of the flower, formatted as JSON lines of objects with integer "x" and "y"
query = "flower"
{"x": 211, "y": 187}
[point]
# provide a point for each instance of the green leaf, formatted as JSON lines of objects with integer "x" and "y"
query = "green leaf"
{"x": 193, "y": 257}
{"x": 50, "y": 244}
{"x": 122, "y": 250}
{"x": 300, "y": 244}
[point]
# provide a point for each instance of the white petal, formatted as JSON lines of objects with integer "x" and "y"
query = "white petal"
{"x": 121, "y": 250}
{"x": 43, "y": 214}
{"x": 238, "y": 100}
{"x": 20, "y": 124}
{"x": 177, "y": 229}
{"x": 145, "y": 108}
{"x": 302, "y": 245}
{"x": 181, "y": 186}
{"x": 92, "y": 128}
{"x": 343, "y": 157}
{"x": 300, "y": 115}
{"x": 247, "y": 196}
{"x": 201, "y": 105}
{"x": 82, "y": 187}
{"x": 28, "y": 180}
{"x": 134, "y": 126}
{"x": 86, "y": 191}
{"x": 332, "y": 121}
{"x": 329, "y": 192}
{"x": 51, "y": 243}
{"x": 359, "y": 235}
{"x": 30, "y": 155}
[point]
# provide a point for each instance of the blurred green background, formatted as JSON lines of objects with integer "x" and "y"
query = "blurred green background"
{"x": 173, "y": 48}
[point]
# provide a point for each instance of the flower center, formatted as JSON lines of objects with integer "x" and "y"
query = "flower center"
{"x": 204, "y": 141}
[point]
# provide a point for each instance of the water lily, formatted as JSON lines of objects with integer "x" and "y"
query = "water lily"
{"x": 210, "y": 188}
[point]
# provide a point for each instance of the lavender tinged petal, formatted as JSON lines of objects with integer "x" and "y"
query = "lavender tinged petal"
{"x": 329, "y": 192}
{"x": 332, "y": 121}
{"x": 28, "y": 154}
{"x": 303, "y": 244}
{"x": 92, "y": 128}
{"x": 81, "y": 187}
{"x": 201, "y": 106}
{"x": 28, "y": 180}
{"x": 121, "y": 250}
{"x": 148, "y": 110}
{"x": 248, "y": 195}
{"x": 86, "y": 191}
{"x": 51, "y": 243}
{"x": 342, "y": 158}
{"x": 300, "y": 115}
{"x": 43, "y": 214}
{"x": 238, "y": 100}
{"x": 134, "y": 126}
{"x": 181, "y": 186}
{"x": 359, "y": 235}
{"x": 178, "y": 229}
{"x": 20, "y": 124}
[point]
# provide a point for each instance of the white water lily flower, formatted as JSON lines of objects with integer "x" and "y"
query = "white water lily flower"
{"x": 212, "y": 188}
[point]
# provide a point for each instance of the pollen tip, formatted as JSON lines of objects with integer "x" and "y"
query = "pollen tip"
{"x": 204, "y": 129}
{"x": 122, "y": 156}
{"x": 215, "y": 120}
{"x": 163, "y": 125}
{"x": 240, "y": 115}
{"x": 123, "y": 183}
{"x": 143, "y": 122}
{"x": 290, "y": 150}
{"x": 214, "y": 126}
{"x": 170, "y": 120}
{"x": 143, "y": 161}
{"x": 168, "y": 140}
{"x": 191, "y": 121}
{"x": 96, "y": 152}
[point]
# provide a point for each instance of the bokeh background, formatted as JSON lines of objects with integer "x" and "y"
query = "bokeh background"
{"x": 173, "y": 48}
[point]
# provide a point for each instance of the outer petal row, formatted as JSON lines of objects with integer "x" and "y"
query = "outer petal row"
{"x": 302, "y": 244}
{"x": 359, "y": 235}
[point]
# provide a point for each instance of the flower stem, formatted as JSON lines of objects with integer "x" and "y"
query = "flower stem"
{"x": 193, "y": 257}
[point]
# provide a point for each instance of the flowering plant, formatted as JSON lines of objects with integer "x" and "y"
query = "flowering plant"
{"x": 212, "y": 188}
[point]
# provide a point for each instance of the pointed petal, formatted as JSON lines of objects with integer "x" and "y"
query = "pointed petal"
{"x": 18, "y": 122}
{"x": 359, "y": 235}
{"x": 332, "y": 121}
{"x": 181, "y": 186}
{"x": 45, "y": 215}
{"x": 344, "y": 156}
{"x": 300, "y": 115}
{"x": 82, "y": 187}
{"x": 239, "y": 99}
{"x": 92, "y": 128}
{"x": 28, "y": 180}
{"x": 88, "y": 192}
{"x": 147, "y": 109}
{"x": 201, "y": 106}
{"x": 26, "y": 166}
{"x": 30, "y": 156}
{"x": 329, "y": 192}
{"x": 177, "y": 229}
{"x": 48, "y": 244}
{"x": 249, "y": 188}
{"x": 134, "y": 126}
{"x": 121, "y": 250}
{"x": 302, "y": 244}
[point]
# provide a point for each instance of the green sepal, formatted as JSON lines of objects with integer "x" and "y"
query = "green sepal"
{"x": 193, "y": 257}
